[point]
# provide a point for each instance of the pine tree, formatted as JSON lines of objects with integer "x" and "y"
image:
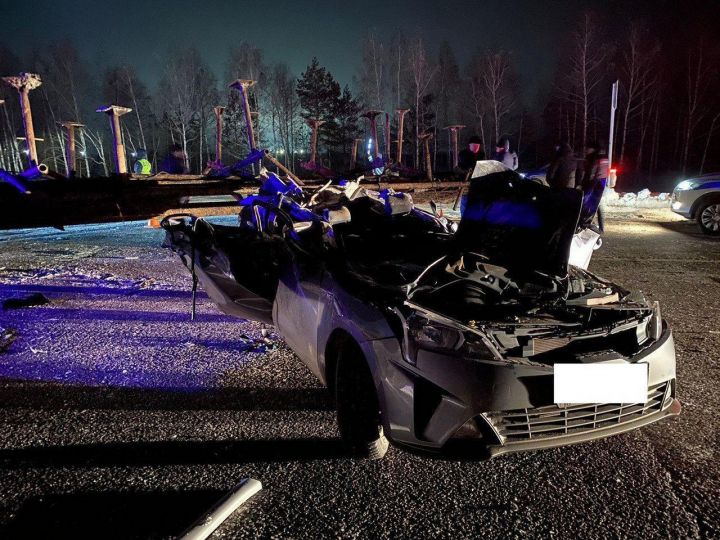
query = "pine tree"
{"x": 347, "y": 110}
{"x": 319, "y": 95}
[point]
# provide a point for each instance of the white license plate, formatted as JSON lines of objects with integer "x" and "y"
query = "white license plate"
{"x": 600, "y": 383}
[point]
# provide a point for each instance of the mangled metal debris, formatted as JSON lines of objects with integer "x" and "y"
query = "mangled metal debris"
{"x": 7, "y": 337}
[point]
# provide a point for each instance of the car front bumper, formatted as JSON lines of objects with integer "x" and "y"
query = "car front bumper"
{"x": 682, "y": 201}
{"x": 510, "y": 406}
{"x": 553, "y": 426}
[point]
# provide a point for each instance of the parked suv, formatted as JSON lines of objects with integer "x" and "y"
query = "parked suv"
{"x": 699, "y": 199}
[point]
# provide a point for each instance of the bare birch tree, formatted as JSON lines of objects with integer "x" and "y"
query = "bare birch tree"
{"x": 285, "y": 112}
{"x": 96, "y": 140}
{"x": 697, "y": 73}
{"x": 496, "y": 88}
{"x": 422, "y": 74}
{"x": 123, "y": 87}
{"x": 371, "y": 77}
{"x": 708, "y": 138}
{"x": 398, "y": 53}
{"x": 638, "y": 77}
{"x": 186, "y": 94}
{"x": 584, "y": 71}
{"x": 66, "y": 84}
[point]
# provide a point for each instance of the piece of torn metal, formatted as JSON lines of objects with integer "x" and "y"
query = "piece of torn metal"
{"x": 223, "y": 509}
{"x": 7, "y": 337}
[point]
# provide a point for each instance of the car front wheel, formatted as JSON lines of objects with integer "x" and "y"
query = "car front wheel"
{"x": 708, "y": 218}
{"x": 358, "y": 408}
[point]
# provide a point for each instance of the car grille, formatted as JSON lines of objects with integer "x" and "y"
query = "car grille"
{"x": 558, "y": 420}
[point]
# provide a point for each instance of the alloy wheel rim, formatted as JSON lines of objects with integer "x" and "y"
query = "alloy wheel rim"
{"x": 710, "y": 217}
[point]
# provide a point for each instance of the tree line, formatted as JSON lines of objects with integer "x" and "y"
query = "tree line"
{"x": 668, "y": 108}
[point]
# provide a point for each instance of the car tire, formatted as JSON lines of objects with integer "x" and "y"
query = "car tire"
{"x": 708, "y": 218}
{"x": 358, "y": 408}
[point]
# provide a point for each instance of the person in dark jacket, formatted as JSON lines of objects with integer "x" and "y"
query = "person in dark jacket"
{"x": 594, "y": 168}
{"x": 174, "y": 162}
{"x": 561, "y": 173}
{"x": 471, "y": 155}
{"x": 593, "y": 180}
{"x": 504, "y": 155}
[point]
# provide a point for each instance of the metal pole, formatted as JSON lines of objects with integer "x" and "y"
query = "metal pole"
{"x": 425, "y": 138}
{"x": 613, "y": 106}
{"x": 242, "y": 85}
{"x": 115, "y": 112}
{"x": 223, "y": 509}
{"x": 387, "y": 137}
{"x": 454, "y": 129}
{"x": 23, "y": 83}
{"x": 218, "y": 133}
{"x": 70, "y": 155}
{"x": 401, "y": 126}
{"x": 353, "y": 153}
{"x": 70, "y": 151}
{"x": 283, "y": 168}
{"x": 370, "y": 115}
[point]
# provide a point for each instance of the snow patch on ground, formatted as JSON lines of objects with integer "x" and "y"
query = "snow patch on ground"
{"x": 642, "y": 199}
{"x": 612, "y": 202}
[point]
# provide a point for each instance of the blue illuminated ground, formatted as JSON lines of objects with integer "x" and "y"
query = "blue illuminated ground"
{"x": 119, "y": 312}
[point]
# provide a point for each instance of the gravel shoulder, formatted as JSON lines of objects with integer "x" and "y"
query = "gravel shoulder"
{"x": 120, "y": 418}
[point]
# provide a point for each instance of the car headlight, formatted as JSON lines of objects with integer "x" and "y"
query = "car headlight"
{"x": 655, "y": 324}
{"x": 422, "y": 333}
{"x": 685, "y": 185}
{"x": 435, "y": 336}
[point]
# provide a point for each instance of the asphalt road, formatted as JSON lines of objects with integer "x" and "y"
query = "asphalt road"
{"x": 120, "y": 418}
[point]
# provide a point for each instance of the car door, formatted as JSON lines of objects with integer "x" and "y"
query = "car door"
{"x": 238, "y": 266}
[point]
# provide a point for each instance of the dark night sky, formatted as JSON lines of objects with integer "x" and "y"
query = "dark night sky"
{"x": 142, "y": 32}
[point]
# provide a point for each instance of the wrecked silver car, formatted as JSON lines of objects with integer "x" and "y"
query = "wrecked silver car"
{"x": 426, "y": 331}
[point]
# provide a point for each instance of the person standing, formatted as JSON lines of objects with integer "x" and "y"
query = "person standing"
{"x": 174, "y": 162}
{"x": 594, "y": 168}
{"x": 142, "y": 165}
{"x": 593, "y": 180}
{"x": 504, "y": 155}
{"x": 471, "y": 155}
{"x": 561, "y": 173}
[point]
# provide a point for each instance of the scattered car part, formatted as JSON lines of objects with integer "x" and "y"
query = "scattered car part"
{"x": 223, "y": 509}
{"x": 7, "y": 336}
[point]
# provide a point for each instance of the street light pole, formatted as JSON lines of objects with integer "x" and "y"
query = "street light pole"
{"x": 613, "y": 106}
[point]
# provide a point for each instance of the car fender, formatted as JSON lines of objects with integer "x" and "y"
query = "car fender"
{"x": 361, "y": 320}
{"x": 707, "y": 197}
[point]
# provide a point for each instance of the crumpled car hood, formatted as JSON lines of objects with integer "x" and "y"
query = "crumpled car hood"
{"x": 520, "y": 225}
